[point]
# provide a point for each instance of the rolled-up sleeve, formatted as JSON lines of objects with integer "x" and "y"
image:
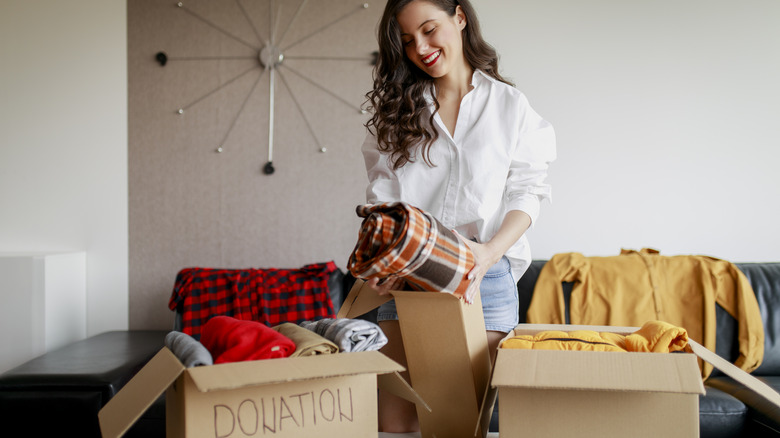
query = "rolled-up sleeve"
{"x": 383, "y": 185}
{"x": 533, "y": 153}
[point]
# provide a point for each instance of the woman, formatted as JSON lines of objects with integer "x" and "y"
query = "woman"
{"x": 450, "y": 136}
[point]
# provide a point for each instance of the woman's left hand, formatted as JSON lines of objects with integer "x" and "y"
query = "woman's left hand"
{"x": 483, "y": 260}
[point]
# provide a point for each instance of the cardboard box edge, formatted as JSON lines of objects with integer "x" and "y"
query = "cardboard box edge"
{"x": 274, "y": 371}
{"x": 731, "y": 370}
{"x": 397, "y": 385}
{"x": 691, "y": 385}
{"x": 361, "y": 300}
{"x": 127, "y": 406}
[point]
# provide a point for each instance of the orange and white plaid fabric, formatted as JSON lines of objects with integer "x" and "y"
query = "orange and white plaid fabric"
{"x": 398, "y": 240}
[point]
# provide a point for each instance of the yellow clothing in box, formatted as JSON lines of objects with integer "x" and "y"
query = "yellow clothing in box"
{"x": 653, "y": 337}
{"x": 639, "y": 286}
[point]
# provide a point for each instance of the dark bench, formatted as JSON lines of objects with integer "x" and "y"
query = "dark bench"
{"x": 62, "y": 391}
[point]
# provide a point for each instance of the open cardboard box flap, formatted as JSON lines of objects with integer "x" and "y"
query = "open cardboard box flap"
{"x": 361, "y": 300}
{"x": 127, "y": 406}
{"x": 540, "y": 374}
{"x": 762, "y": 389}
{"x": 457, "y": 369}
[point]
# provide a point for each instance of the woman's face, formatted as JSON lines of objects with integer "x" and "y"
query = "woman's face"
{"x": 432, "y": 39}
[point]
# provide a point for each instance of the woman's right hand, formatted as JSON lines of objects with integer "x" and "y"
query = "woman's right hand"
{"x": 384, "y": 286}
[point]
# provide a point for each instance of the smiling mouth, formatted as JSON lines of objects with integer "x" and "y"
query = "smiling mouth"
{"x": 431, "y": 59}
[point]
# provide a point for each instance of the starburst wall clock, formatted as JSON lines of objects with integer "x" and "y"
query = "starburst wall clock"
{"x": 278, "y": 34}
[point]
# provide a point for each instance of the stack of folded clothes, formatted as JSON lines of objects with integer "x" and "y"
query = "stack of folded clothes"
{"x": 349, "y": 334}
{"x": 226, "y": 339}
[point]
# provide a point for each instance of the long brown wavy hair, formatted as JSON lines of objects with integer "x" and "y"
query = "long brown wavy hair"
{"x": 398, "y": 98}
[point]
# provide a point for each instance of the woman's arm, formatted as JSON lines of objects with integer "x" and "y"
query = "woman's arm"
{"x": 487, "y": 254}
{"x": 383, "y": 183}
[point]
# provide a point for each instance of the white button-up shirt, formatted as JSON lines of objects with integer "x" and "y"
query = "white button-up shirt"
{"x": 495, "y": 162}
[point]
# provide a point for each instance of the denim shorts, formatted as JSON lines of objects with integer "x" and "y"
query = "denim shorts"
{"x": 498, "y": 291}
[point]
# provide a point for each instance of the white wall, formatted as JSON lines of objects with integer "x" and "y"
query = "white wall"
{"x": 63, "y": 141}
{"x": 667, "y": 120}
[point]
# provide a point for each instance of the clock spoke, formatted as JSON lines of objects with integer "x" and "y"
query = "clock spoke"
{"x": 275, "y": 24}
{"x": 238, "y": 114}
{"x": 194, "y": 14}
{"x": 251, "y": 23}
{"x": 207, "y": 58}
{"x": 289, "y": 25}
{"x": 348, "y": 14}
{"x": 333, "y": 58}
{"x": 189, "y": 105}
{"x": 300, "y": 110}
{"x": 323, "y": 88}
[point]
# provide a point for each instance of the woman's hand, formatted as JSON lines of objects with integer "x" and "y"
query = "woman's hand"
{"x": 384, "y": 286}
{"x": 484, "y": 258}
{"x": 487, "y": 254}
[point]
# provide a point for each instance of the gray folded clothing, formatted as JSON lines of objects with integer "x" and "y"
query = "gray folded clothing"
{"x": 190, "y": 352}
{"x": 351, "y": 335}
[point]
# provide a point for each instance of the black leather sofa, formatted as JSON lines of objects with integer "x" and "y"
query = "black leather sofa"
{"x": 63, "y": 390}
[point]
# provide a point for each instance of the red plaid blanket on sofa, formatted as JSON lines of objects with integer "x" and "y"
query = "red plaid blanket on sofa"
{"x": 271, "y": 296}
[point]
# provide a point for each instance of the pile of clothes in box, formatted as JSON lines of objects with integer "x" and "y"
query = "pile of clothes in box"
{"x": 225, "y": 339}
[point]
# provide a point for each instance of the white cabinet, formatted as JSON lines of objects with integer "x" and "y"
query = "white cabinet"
{"x": 43, "y": 303}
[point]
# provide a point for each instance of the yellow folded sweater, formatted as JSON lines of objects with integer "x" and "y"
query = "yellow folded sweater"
{"x": 653, "y": 337}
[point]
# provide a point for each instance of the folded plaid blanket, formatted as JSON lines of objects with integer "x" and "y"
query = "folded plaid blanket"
{"x": 351, "y": 335}
{"x": 398, "y": 240}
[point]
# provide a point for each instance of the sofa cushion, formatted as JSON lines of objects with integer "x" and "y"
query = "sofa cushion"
{"x": 765, "y": 279}
{"x": 762, "y": 418}
{"x": 720, "y": 414}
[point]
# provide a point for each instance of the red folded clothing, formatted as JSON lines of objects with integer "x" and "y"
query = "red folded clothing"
{"x": 233, "y": 340}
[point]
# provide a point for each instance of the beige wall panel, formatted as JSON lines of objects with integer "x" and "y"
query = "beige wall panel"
{"x": 191, "y": 206}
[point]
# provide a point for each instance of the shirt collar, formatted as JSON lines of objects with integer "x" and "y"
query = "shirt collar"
{"x": 477, "y": 78}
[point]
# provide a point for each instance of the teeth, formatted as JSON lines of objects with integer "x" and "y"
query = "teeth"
{"x": 430, "y": 58}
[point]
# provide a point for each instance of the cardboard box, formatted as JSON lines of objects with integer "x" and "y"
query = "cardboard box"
{"x": 447, "y": 356}
{"x": 325, "y": 396}
{"x": 544, "y": 393}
